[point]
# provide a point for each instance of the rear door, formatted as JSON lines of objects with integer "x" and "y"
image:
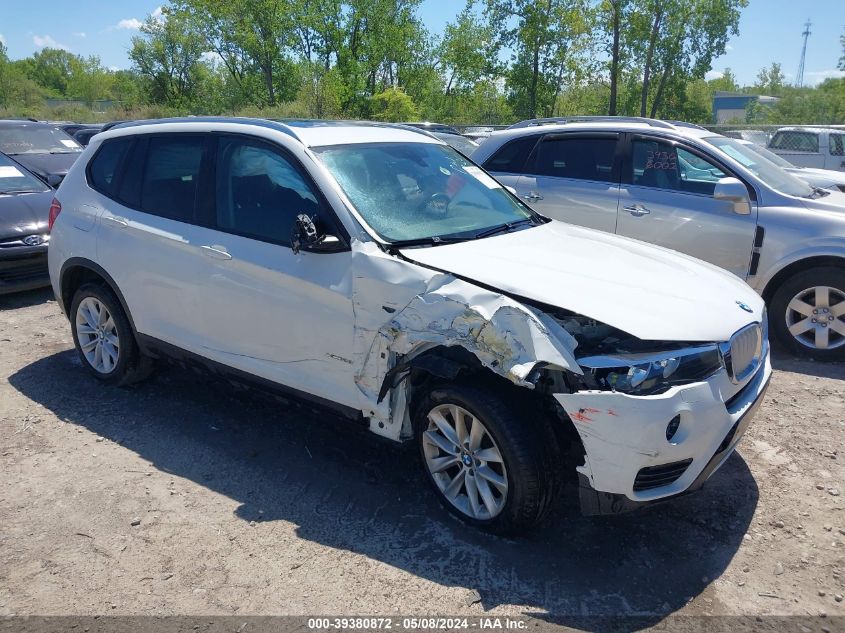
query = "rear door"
{"x": 667, "y": 199}
{"x": 149, "y": 239}
{"x": 574, "y": 177}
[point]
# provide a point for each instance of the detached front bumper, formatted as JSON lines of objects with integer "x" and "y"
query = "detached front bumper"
{"x": 630, "y": 463}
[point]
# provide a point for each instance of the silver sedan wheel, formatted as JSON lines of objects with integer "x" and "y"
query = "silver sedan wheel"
{"x": 97, "y": 335}
{"x": 465, "y": 462}
{"x": 816, "y": 317}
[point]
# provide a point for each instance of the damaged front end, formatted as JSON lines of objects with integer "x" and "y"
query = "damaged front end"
{"x": 654, "y": 418}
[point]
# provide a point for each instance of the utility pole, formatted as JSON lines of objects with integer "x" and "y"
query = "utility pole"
{"x": 800, "y": 79}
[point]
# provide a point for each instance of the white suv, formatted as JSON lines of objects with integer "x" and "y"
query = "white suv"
{"x": 682, "y": 187}
{"x": 374, "y": 271}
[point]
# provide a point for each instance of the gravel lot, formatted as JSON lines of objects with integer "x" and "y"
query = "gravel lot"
{"x": 178, "y": 496}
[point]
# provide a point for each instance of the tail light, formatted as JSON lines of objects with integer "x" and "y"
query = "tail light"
{"x": 55, "y": 210}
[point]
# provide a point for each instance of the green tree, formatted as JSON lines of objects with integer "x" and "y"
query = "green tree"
{"x": 771, "y": 80}
{"x": 392, "y": 105}
{"x": 168, "y": 58}
{"x": 547, "y": 38}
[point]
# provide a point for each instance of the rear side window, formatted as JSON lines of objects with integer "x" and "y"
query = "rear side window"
{"x": 511, "y": 156}
{"x": 170, "y": 181}
{"x": 580, "y": 158}
{"x": 795, "y": 141}
{"x": 837, "y": 147}
{"x": 104, "y": 167}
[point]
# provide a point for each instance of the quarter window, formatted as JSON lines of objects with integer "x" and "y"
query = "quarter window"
{"x": 104, "y": 167}
{"x": 171, "y": 176}
{"x": 665, "y": 166}
{"x": 259, "y": 191}
{"x": 579, "y": 158}
{"x": 837, "y": 147}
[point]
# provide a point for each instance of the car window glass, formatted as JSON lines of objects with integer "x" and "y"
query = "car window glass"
{"x": 413, "y": 191}
{"x": 664, "y": 166}
{"x": 171, "y": 176}
{"x": 512, "y": 156}
{"x": 36, "y": 139}
{"x": 15, "y": 179}
{"x": 259, "y": 192}
{"x": 578, "y": 157}
{"x": 796, "y": 141}
{"x": 104, "y": 166}
{"x": 837, "y": 147}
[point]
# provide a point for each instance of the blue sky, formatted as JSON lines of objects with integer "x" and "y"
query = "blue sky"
{"x": 770, "y": 30}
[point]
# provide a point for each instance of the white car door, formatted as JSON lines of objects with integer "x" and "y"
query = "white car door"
{"x": 667, "y": 199}
{"x": 572, "y": 177}
{"x": 266, "y": 310}
{"x": 148, "y": 239}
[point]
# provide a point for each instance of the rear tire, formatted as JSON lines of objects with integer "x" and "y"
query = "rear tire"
{"x": 500, "y": 473}
{"x": 807, "y": 314}
{"x": 103, "y": 337}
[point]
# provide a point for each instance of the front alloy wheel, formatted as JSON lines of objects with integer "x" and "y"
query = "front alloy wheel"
{"x": 489, "y": 454}
{"x": 465, "y": 462}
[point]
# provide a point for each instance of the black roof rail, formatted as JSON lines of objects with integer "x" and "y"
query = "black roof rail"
{"x": 592, "y": 119}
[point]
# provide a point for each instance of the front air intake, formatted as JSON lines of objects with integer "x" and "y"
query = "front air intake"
{"x": 656, "y": 476}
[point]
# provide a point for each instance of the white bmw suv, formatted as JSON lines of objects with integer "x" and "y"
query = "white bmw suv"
{"x": 374, "y": 271}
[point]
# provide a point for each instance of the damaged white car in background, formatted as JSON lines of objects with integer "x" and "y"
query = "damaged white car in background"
{"x": 374, "y": 271}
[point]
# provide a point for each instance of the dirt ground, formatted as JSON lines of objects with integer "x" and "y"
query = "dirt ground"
{"x": 181, "y": 496}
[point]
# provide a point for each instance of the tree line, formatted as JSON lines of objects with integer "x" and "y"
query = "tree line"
{"x": 497, "y": 61}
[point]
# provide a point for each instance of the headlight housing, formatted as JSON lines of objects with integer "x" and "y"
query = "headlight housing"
{"x": 649, "y": 374}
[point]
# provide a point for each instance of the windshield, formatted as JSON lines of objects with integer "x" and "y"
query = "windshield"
{"x": 36, "y": 139}
{"x": 421, "y": 191}
{"x": 15, "y": 179}
{"x": 771, "y": 174}
{"x": 461, "y": 143}
{"x": 780, "y": 161}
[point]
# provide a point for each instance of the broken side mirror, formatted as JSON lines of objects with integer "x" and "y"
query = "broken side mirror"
{"x": 306, "y": 235}
{"x": 733, "y": 190}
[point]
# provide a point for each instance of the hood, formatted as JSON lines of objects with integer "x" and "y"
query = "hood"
{"x": 834, "y": 201}
{"x": 644, "y": 290}
{"x": 48, "y": 164}
{"x": 24, "y": 214}
{"x": 831, "y": 175}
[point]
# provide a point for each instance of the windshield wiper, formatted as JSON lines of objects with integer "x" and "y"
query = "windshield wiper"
{"x": 817, "y": 193}
{"x": 434, "y": 240}
{"x": 502, "y": 228}
{"x": 11, "y": 191}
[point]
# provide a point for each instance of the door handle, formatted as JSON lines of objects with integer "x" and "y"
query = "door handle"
{"x": 116, "y": 220}
{"x": 637, "y": 210}
{"x": 216, "y": 251}
{"x": 532, "y": 196}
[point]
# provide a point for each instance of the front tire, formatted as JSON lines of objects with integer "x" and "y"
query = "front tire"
{"x": 491, "y": 462}
{"x": 807, "y": 314}
{"x": 103, "y": 337}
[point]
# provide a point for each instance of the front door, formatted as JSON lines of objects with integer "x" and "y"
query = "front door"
{"x": 284, "y": 316}
{"x": 667, "y": 199}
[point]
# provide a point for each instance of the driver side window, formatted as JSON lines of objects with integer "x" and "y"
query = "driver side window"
{"x": 666, "y": 166}
{"x": 259, "y": 192}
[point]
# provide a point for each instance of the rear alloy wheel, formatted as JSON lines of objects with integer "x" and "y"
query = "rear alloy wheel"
{"x": 103, "y": 337}
{"x": 97, "y": 334}
{"x": 490, "y": 456}
{"x": 810, "y": 313}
